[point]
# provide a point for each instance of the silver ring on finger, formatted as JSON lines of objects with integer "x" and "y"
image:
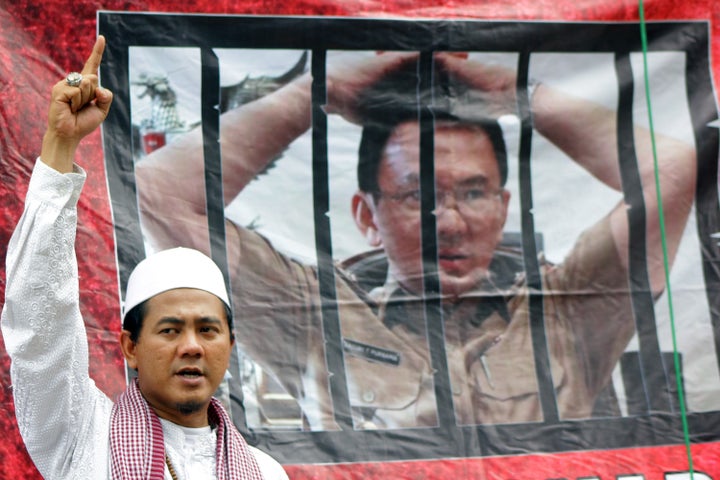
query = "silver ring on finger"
{"x": 74, "y": 79}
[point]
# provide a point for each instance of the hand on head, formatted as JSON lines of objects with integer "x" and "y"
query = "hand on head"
{"x": 493, "y": 86}
{"x": 75, "y": 111}
{"x": 348, "y": 78}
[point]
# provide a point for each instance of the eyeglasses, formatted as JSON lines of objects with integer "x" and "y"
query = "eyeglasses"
{"x": 467, "y": 200}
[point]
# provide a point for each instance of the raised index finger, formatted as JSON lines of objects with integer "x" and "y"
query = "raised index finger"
{"x": 93, "y": 62}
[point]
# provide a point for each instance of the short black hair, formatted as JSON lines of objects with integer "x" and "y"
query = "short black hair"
{"x": 394, "y": 100}
{"x": 133, "y": 321}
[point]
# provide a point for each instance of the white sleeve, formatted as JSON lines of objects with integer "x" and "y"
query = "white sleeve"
{"x": 269, "y": 467}
{"x": 60, "y": 412}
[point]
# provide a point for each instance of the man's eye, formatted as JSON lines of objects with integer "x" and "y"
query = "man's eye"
{"x": 473, "y": 194}
{"x": 412, "y": 197}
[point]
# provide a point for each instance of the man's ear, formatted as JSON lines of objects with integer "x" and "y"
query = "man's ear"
{"x": 363, "y": 209}
{"x": 503, "y": 212}
{"x": 128, "y": 348}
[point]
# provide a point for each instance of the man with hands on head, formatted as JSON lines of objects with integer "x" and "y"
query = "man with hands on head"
{"x": 588, "y": 315}
{"x": 177, "y": 334}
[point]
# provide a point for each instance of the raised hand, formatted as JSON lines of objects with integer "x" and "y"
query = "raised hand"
{"x": 75, "y": 111}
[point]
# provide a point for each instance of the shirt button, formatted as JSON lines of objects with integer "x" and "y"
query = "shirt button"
{"x": 368, "y": 396}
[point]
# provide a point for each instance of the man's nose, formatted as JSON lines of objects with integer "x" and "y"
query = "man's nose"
{"x": 449, "y": 220}
{"x": 190, "y": 345}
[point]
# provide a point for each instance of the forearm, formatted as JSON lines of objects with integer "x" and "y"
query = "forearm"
{"x": 250, "y": 137}
{"x": 41, "y": 324}
{"x": 583, "y": 130}
{"x": 170, "y": 181}
{"x": 254, "y": 135}
{"x": 675, "y": 175}
{"x": 58, "y": 152}
{"x": 587, "y": 133}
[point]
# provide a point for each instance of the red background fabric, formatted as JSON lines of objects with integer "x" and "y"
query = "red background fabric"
{"x": 42, "y": 40}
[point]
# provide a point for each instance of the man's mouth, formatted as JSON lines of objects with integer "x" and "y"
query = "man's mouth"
{"x": 451, "y": 261}
{"x": 451, "y": 255}
{"x": 190, "y": 373}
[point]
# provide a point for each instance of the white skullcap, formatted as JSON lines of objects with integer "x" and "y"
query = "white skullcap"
{"x": 170, "y": 269}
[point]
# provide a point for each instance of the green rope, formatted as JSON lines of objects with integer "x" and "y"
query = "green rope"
{"x": 666, "y": 263}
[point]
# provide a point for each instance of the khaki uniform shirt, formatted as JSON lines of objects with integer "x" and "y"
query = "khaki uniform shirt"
{"x": 588, "y": 322}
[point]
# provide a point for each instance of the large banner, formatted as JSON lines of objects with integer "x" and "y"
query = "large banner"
{"x": 456, "y": 248}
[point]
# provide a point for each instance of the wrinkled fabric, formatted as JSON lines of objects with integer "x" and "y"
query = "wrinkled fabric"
{"x": 44, "y": 40}
{"x": 588, "y": 323}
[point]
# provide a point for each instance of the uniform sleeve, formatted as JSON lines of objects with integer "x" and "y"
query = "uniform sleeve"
{"x": 590, "y": 297}
{"x": 55, "y": 400}
{"x": 278, "y": 322}
{"x": 276, "y": 300}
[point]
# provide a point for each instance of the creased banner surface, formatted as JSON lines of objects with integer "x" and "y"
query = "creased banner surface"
{"x": 442, "y": 237}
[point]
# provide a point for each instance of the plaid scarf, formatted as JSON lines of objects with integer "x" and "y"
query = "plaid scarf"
{"x": 137, "y": 448}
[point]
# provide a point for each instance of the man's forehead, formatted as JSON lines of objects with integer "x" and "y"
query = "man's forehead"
{"x": 405, "y": 138}
{"x": 474, "y": 155}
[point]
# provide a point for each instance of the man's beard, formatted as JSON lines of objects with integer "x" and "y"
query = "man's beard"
{"x": 188, "y": 408}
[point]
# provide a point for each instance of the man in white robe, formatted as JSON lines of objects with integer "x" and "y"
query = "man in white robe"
{"x": 166, "y": 425}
